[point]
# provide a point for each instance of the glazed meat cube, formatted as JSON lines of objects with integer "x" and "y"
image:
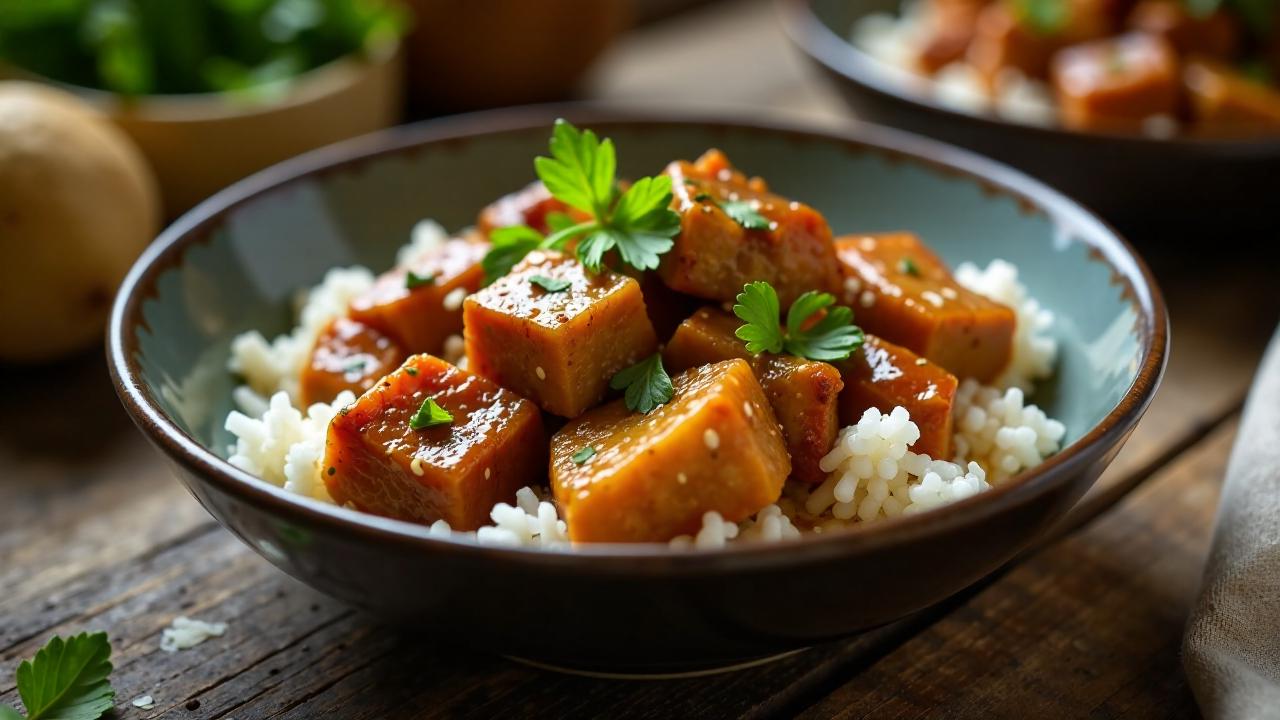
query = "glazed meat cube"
{"x": 801, "y": 392}
{"x": 1224, "y": 102}
{"x": 1215, "y": 35}
{"x": 1116, "y": 84}
{"x": 949, "y": 28}
{"x": 529, "y": 206}
{"x": 715, "y": 446}
{"x": 882, "y": 375}
{"x": 1001, "y": 42}
{"x": 348, "y": 355}
{"x": 377, "y": 461}
{"x": 419, "y": 311}
{"x": 715, "y": 255}
{"x": 901, "y": 291}
{"x": 558, "y": 348}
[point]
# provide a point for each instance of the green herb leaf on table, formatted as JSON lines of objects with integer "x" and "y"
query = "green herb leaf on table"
{"x": 413, "y": 280}
{"x": 8, "y": 713}
{"x": 430, "y": 415}
{"x": 815, "y": 330}
{"x": 646, "y": 384}
{"x": 550, "y": 284}
{"x": 758, "y": 308}
{"x": 742, "y": 212}
{"x": 67, "y": 680}
{"x": 584, "y": 455}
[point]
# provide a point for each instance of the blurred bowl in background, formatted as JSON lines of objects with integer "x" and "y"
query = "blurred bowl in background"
{"x": 1168, "y": 188}
{"x": 467, "y": 55}
{"x": 197, "y": 144}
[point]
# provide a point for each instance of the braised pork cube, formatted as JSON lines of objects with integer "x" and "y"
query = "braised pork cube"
{"x": 774, "y": 239}
{"x": 948, "y": 30}
{"x": 1117, "y": 84}
{"x": 348, "y": 355}
{"x": 624, "y": 476}
{"x": 882, "y": 375}
{"x": 1003, "y": 40}
{"x": 528, "y": 206}
{"x": 382, "y": 461}
{"x": 420, "y": 305}
{"x": 1215, "y": 35}
{"x": 557, "y": 345}
{"x": 900, "y": 290}
{"x": 801, "y": 392}
{"x": 1225, "y": 102}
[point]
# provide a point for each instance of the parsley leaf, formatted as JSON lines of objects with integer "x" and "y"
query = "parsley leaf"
{"x": 907, "y": 266}
{"x": 509, "y": 245}
{"x": 67, "y": 680}
{"x": 581, "y": 172}
{"x": 745, "y": 215}
{"x": 584, "y": 455}
{"x": 758, "y": 308}
{"x": 430, "y": 415}
{"x": 550, "y": 284}
{"x": 414, "y": 280}
{"x": 1046, "y": 17}
{"x": 833, "y": 336}
{"x": 646, "y": 383}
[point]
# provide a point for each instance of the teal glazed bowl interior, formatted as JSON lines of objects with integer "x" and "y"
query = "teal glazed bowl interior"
{"x": 1165, "y": 190}
{"x": 235, "y": 262}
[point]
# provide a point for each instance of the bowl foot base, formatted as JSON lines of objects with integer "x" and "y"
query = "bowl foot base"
{"x": 657, "y": 674}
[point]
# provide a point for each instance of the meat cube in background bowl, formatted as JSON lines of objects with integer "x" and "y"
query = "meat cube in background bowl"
{"x": 882, "y": 375}
{"x": 714, "y": 447}
{"x": 801, "y": 392}
{"x": 1215, "y": 35}
{"x": 420, "y": 305}
{"x": 455, "y": 471}
{"x": 348, "y": 355}
{"x": 903, "y": 292}
{"x": 788, "y": 245}
{"x": 559, "y": 348}
{"x": 1120, "y": 84}
{"x": 1224, "y": 102}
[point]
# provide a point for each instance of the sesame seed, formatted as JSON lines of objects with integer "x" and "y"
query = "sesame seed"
{"x": 542, "y": 374}
{"x": 934, "y": 298}
{"x": 921, "y": 361}
{"x": 711, "y": 438}
{"x": 852, "y": 285}
{"x": 584, "y": 494}
{"x": 949, "y": 293}
{"x": 794, "y": 205}
{"x": 416, "y": 466}
{"x": 454, "y": 299}
{"x": 682, "y": 478}
{"x": 487, "y": 472}
{"x": 868, "y": 298}
{"x": 746, "y": 408}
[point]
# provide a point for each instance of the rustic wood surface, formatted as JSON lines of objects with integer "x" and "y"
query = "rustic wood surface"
{"x": 94, "y": 534}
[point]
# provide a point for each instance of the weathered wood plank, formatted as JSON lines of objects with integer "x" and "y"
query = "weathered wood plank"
{"x": 1090, "y": 626}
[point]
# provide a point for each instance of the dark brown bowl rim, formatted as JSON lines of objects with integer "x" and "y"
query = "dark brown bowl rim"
{"x": 839, "y": 56}
{"x": 167, "y": 251}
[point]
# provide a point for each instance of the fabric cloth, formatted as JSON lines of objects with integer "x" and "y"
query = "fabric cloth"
{"x": 1231, "y": 650}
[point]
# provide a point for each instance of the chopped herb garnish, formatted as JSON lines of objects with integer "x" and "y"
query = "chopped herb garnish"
{"x": 413, "y": 371}
{"x": 1046, "y": 17}
{"x": 581, "y": 173}
{"x": 413, "y": 280}
{"x": 745, "y": 215}
{"x": 66, "y": 680}
{"x": 584, "y": 454}
{"x": 907, "y": 266}
{"x": 550, "y": 284}
{"x": 430, "y": 415}
{"x": 355, "y": 366}
{"x": 332, "y": 470}
{"x": 646, "y": 383}
{"x": 702, "y": 197}
{"x": 816, "y": 329}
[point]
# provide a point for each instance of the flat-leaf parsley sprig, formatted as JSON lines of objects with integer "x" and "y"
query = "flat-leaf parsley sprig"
{"x": 66, "y": 680}
{"x": 646, "y": 383}
{"x": 582, "y": 173}
{"x": 816, "y": 329}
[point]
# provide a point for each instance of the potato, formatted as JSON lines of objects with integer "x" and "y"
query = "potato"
{"x": 77, "y": 205}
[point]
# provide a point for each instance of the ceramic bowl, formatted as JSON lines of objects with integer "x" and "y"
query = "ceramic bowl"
{"x": 200, "y": 143}
{"x": 234, "y": 263}
{"x": 1156, "y": 189}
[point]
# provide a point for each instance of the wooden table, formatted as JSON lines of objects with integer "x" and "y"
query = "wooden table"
{"x": 94, "y": 534}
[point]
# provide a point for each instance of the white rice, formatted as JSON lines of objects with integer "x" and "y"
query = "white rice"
{"x": 1000, "y": 432}
{"x": 283, "y": 446}
{"x": 426, "y": 235}
{"x": 184, "y": 633}
{"x": 1034, "y": 349}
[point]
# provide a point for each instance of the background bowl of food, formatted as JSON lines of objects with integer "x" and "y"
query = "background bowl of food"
{"x": 1160, "y": 114}
{"x": 214, "y": 91}
{"x": 682, "y": 523}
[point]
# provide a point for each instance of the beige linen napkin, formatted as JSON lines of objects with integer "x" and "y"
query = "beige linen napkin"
{"x": 1231, "y": 651}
